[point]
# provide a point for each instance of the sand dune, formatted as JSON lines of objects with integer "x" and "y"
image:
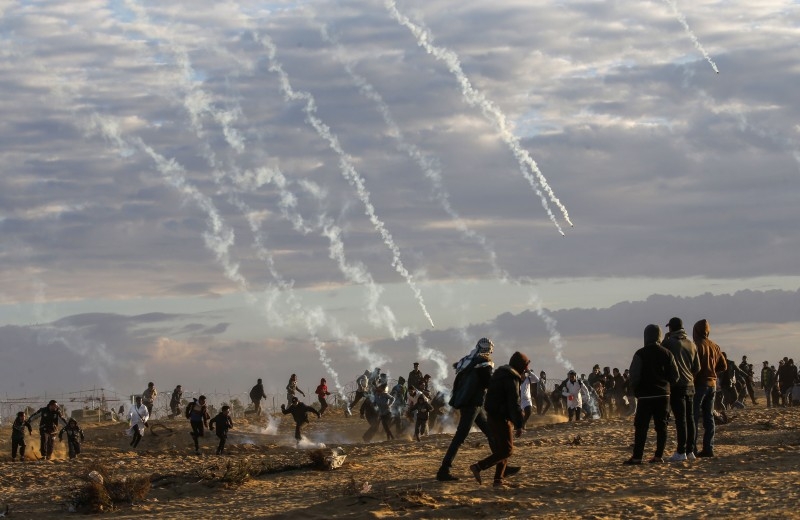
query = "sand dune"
{"x": 755, "y": 475}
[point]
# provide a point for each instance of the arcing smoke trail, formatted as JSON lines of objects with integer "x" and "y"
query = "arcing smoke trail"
{"x": 313, "y": 319}
{"x": 197, "y": 103}
{"x": 426, "y": 164}
{"x": 222, "y": 237}
{"x": 555, "y": 337}
{"x": 682, "y": 19}
{"x": 346, "y": 167}
{"x": 440, "y": 193}
{"x": 379, "y": 316}
{"x": 489, "y": 109}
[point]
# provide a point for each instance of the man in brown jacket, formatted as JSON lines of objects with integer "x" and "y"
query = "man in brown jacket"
{"x": 504, "y": 417}
{"x": 705, "y": 384}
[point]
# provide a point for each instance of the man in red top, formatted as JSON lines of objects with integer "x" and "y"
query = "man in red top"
{"x": 322, "y": 393}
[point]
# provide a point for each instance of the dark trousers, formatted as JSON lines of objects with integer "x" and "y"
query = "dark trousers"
{"x": 704, "y": 397}
{"x": 420, "y": 427}
{"x": 386, "y": 422}
{"x": 468, "y": 416}
{"x": 223, "y": 436}
{"x": 137, "y": 436}
{"x": 323, "y": 404}
{"x": 298, "y": 430}
{"x": 74, "y": 446}
{"x": 681, "y": 400}
{"x": 655, "y": 409}
{"x": 502, "y": 432}
{"x": 18, "y": 444}
{"x": 359, "y": 395}
{"x": 46, "y": 441}
{"x": 197, "y": 432}
{"x": 543, "y": 403}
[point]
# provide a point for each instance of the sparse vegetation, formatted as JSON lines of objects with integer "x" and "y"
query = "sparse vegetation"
{"x": 103, "y": 489}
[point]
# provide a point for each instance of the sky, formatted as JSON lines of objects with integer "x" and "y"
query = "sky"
{"x": 207, "y": 193}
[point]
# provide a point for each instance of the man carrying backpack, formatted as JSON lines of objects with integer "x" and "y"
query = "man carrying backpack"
{"x": 473, "y": 373}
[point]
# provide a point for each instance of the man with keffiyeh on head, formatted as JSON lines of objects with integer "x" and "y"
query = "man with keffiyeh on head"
{"x": 473, "y": 373}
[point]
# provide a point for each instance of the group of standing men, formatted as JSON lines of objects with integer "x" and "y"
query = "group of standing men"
{"x": 680, "y": 373}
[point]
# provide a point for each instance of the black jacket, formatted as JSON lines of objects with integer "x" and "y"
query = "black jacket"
{"x": 299, "y": 411}
{"x": 222, "y": 422}
{"x": 502, "y": 396}
{"x": 476, "y": 380}
{"x": 653, "y": 370}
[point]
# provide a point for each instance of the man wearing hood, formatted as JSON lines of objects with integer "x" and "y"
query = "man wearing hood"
{"x": 705, "y": 384}
{"x": 682, "y": 393}
{"x": 653, "y": 370}
{"x": 504, "y": 416}
{"x": 473, "y": 373}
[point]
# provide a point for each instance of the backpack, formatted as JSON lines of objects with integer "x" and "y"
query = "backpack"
{"x": 464, "y": 388}
{"x": 188, "y": 411}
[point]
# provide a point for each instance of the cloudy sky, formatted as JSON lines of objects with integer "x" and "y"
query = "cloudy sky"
{"x": 210, "y": 192}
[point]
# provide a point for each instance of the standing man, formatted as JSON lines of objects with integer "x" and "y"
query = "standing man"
{"x": 504, "y": 417}
{"x": 653, "y": 370}
{"x": 747, "y": 368}
{"x": 149, "y": 397}
{"x": 256, "y": 395}
{"x": 767, "y": 382}
{"x": 415, "y": 377}
{"x": 473, "y": 373}
{"x": 705, "y": 384}
{"x": 48, "y": 426}
{"x": 681, "y": 395}
{"x": 175, "y": 401}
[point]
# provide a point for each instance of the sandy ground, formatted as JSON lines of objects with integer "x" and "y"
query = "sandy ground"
{"x": 755, "y": 475}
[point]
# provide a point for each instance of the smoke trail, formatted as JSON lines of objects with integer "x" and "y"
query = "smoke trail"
{"x": 222, "y": 237}
{"x": 197, "y": 103}
{"x": 438, "y": 358}
{"x": 313, "y": 319}
{"x": 555, "y": 336}
{"x": 489, "y": 109}
{"x": 426, "y": 164}
{"x": 682, "y": 19}
{"x": 357, "y": 273}
{"x": 95, "y": 354}
{"x": 346, "y": 166}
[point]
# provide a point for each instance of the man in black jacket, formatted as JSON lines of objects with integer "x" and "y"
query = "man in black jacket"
{"x": 473, "y": 373}
{"x": 653, "y": 370}
{"x": 504, "y": 416}
{"x": 48, "y": 426}
{"x": 299, "y": 413}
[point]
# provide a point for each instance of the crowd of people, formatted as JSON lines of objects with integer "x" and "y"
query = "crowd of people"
{"x": 690, "y": 378}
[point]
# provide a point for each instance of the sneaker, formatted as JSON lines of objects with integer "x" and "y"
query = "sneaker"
{"x": 445, "y": 476}
{"x": 633, "y": 461}
{"x": 656, "y": 460}
{"x": 677, "y": 457}
{"x": 705, "y": 454}
{"x": 476, "y": 472}
{"x": 690, "y": 456}
{"x": 511, "y": 471}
